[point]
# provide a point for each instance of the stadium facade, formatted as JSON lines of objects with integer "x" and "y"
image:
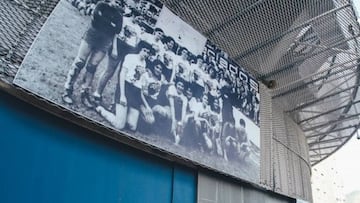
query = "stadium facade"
{"x": 303, "y": 53}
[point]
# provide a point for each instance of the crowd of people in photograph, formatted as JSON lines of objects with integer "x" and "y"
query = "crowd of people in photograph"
{"x": 85, "y": 7}
{"x": 162, "y": 88}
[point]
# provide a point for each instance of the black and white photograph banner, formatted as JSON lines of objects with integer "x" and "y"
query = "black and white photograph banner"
{"x": 136, "y": 67}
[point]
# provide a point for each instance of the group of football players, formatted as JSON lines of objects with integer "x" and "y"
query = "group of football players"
{"x": 161, "y": 87}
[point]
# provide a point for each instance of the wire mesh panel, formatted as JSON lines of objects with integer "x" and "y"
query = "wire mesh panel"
{"x": 266, "y": 132}
{"x": 281, "y": 173}
{"x": 289, "y": 163}
{"x": 299, "y": 186}
{"x": 297, "y": 61}
{"x": 20, "y": 22}
{"x": 280, "y": 168}
{"x": 14, "y": 22}
{"x": 306, "y": 174}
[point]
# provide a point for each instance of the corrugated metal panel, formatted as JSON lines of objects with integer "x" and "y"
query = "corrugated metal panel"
{"x": 216, "y": 190}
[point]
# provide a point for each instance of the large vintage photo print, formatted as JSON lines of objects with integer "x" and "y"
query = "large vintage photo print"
{"x": 137, "y": 68}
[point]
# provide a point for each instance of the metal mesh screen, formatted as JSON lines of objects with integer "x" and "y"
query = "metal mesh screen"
{"x": 266, "y": 130}
{"x": 20, "y": 23}
{"x": 291, "y": 164}
{"x": 305, "y": 46}
{"x": 281, "y": 165}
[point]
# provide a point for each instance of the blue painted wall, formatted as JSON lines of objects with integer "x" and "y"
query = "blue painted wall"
{"x": 46, "y": 159}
